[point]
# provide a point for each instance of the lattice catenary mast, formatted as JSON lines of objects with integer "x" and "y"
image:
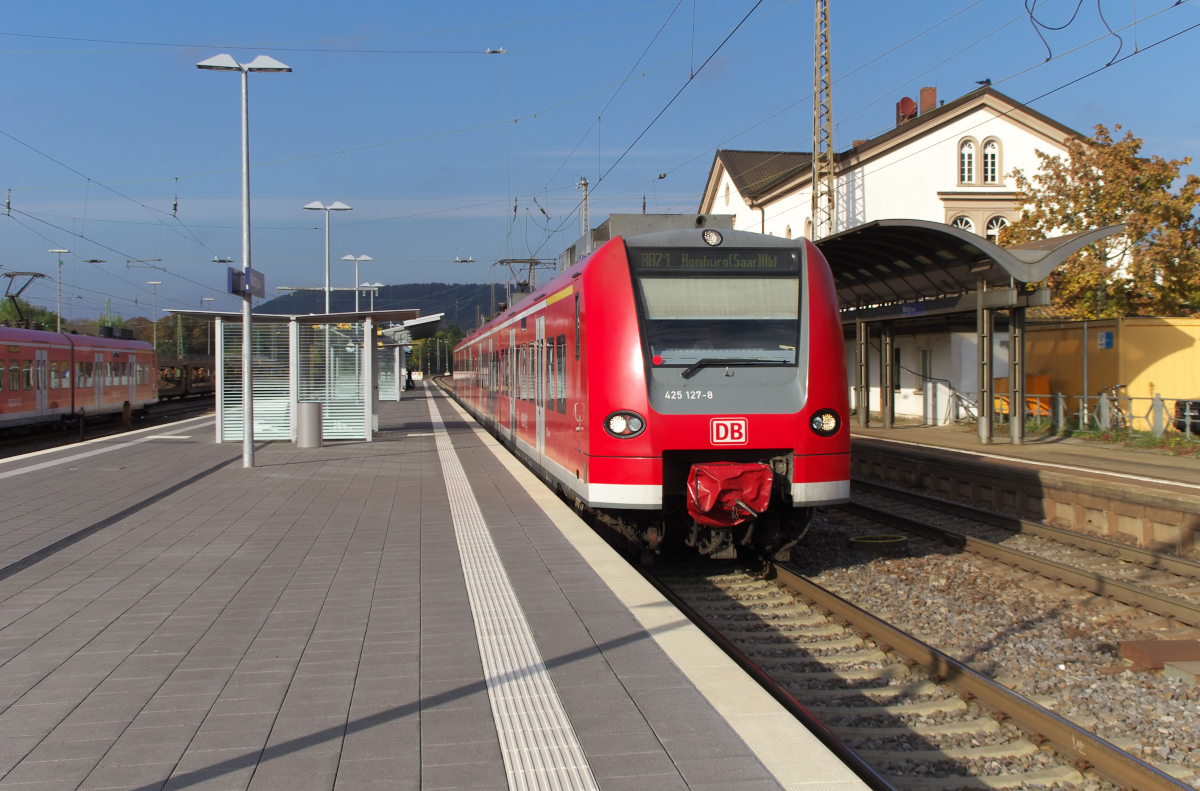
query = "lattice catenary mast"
{"x": 823, "y": 207}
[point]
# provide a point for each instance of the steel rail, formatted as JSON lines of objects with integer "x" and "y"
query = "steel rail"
{"x": 1087, "y": 749}
{"x": 1080, "y": 578}
{"x": 1146, "y": 557}
{"x": 867, "y": 773}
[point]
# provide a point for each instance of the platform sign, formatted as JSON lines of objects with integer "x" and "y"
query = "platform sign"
{"x": 236, "y": 283}
{"x": 1104, "y": 340}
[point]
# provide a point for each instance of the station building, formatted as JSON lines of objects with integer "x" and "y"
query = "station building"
{"x": 946, "y": 163}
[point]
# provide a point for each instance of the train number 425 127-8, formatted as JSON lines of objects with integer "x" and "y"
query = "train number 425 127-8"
{"x": 691, "y": 395}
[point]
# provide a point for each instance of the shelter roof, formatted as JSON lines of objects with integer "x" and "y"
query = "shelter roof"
{"x": 405, "y": 315}
{"x": 893, "y": 261}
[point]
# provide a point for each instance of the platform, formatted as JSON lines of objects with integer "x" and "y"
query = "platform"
{"x": 416, "y": 612}
{"x": 1104, "y": 460}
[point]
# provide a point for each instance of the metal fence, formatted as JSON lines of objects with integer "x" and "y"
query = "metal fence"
{"x": 1106, "y": 413}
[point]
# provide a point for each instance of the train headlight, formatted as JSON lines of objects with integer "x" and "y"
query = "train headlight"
{"x": 624, "y": 424}
{"x": 712, "y": 238}
{"x": 825, "y": 423}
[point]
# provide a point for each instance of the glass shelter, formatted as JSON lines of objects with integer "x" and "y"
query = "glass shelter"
{"x": 342, "y": 360}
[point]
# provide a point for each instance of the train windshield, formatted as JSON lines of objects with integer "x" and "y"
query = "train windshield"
{"x": 740, "y": 305}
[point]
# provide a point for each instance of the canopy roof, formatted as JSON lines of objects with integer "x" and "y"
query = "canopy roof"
{"x": 890, "y": 261}
{"x": 418, "y": 326}
{"x": 377, "y": 316}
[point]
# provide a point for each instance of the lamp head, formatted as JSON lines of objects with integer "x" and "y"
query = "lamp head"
{"x": 60, "y": 252}
{"x": 348, "y": 258}
{"x": 225, "y": 62}
{"x": 337, "y": 205}
{"x": 315, "y": 205}
{"x": 219, "y": 63}
{"x": 265, "y": 64}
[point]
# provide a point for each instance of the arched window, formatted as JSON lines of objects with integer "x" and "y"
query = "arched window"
{"x": 726, "y": 193}
{"x": 991, "y": 162}
{"x": 966, "y": 162}
{"x": 964, "y": 222}
{"x": 994, "y": 226}
{"x": 788, "y": 232}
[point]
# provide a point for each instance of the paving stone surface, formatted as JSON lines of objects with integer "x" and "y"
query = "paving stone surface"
{"x": 170, "y": 621}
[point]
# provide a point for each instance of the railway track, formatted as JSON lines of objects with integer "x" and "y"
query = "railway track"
{"x": 922, "y": 719}
{"x": 160, "y": 414}
{"x": 915, "y": 716}
{"x": 1166, "y": 585}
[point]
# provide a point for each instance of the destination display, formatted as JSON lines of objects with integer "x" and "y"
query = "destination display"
{"x": 714, "y": 260}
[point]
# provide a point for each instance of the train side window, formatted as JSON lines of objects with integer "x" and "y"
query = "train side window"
{"x": 27, "y": 374}
{"x": 124, "y": 373}
{"x": 65, "y": 373}
{"x": 54, "y": 374}
{"x": 547, "y": 370}
{"x": 14, "y": 375}
{"x": 90, "y": 371}
{"x": 561, "y": 354}
{"x": 527, "y": 372}
{"x": 576, "y": 326}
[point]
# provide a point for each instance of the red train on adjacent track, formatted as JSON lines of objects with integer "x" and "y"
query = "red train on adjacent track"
{"x": 49, "y": 377}
{"x": 687, "y": 386}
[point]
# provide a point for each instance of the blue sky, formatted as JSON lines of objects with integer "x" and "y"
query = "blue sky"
{"x": 395, "y": 109}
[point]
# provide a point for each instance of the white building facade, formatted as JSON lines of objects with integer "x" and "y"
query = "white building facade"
{"x": 949, "y": 164}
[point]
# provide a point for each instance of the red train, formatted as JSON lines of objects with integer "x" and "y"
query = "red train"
{"x": 688, "y": 386}
{"x": 50, "y": 376}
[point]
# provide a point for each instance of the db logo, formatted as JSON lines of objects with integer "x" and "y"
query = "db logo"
{"x": 729, "y": 431}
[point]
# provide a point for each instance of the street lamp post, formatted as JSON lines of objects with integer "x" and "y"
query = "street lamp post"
{"x": 356, "y": 259}
{"x": 154, "y": 320}
{"x": 335, "y": 206}
{"x": 374, "y": 288}
{"x": 59, "y": 280}
{"x": 210, "y": 324}
{"x": 266, "y": 65}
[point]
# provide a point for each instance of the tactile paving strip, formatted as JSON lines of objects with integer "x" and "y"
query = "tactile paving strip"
{"x": 540, "y": 748}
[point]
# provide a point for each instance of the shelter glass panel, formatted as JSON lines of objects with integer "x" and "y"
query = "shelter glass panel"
{"x": 331, "y": 371}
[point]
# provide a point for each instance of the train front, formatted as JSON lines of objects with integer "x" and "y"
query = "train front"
{"x": 744, "y": 383}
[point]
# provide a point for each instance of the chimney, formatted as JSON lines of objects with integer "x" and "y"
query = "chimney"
{"x": 928, "y": 99}
{"x": 906, "y": 109}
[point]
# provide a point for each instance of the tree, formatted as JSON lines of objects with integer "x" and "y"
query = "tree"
{"x": 1153, "y": 269}
{"x": 449, "y": 336}
{"x": 31, "y": 312}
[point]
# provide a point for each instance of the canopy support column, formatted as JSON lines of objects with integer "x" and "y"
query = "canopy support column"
{"x": 887, "y": 371}
{"x": 862, "y": 387}
{"x": 293, "y": 375}
{"x": 1016, "y": 375}
{"x": 219, "y": 377}
{"x": 369, "y": 383}
{"x": 984, "y": 321}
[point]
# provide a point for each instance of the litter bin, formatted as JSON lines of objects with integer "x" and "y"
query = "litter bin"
{"x": 309, "y": 427}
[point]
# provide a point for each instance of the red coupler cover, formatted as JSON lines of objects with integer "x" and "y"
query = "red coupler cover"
{"x": 714, "y": 489}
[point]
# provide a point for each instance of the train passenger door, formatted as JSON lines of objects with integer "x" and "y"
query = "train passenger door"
{"x": 98, "y": 381}
{"x": 40, "y": 380}
{"x": 513, "y": 354}
{"x": 132, "y": 368}
{"x": 539, "y": 386}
